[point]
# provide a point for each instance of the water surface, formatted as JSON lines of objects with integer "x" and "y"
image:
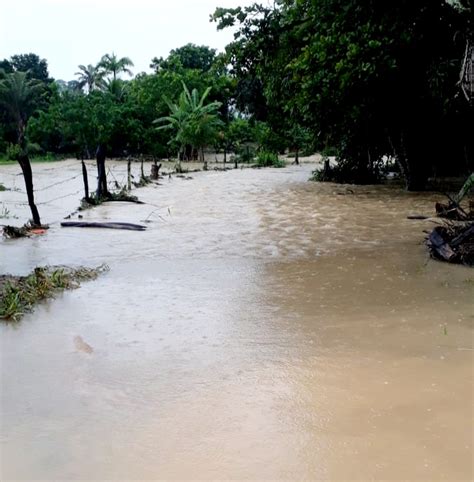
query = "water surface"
{"x": 263, "y": 327}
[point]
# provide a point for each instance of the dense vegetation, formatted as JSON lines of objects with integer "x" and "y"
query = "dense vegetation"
{"x": 101, "y": 107}
{"x": 364, "y": 80}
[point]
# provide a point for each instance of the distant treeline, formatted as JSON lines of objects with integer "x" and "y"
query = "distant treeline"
{"x": 363, "y": 80}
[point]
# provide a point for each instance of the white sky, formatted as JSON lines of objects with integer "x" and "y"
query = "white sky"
{"x": 71, "y": 32}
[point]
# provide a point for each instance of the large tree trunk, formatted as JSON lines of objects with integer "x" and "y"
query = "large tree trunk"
{"x": 25, "y": 164}
{"x": 417, "y": 170}
{"x": 412, "y": 157}
{"x": 101, "y": 174}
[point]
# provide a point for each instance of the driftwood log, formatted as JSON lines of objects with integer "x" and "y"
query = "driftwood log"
{"x": 105, "y": 225}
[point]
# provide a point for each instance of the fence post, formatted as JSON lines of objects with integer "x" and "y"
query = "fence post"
{"x": 85, "y": 179}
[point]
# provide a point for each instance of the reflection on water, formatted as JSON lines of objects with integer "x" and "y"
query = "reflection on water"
{"x": 263, "y": 327}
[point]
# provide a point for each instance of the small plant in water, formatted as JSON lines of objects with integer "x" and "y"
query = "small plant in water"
{"x": 6, "y": 214}
{"x": 11, "y": 304}
{"x": 18, "y": 295}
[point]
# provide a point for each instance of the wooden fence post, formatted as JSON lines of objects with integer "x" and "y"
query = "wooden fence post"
{"x": 85, "y": 179}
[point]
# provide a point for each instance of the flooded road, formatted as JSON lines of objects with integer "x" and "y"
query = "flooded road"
{"x": 263, "y": 327}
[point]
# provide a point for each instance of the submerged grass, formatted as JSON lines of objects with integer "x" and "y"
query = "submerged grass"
{"x": 122, "y": 195}
{"x": 19, "y": 294}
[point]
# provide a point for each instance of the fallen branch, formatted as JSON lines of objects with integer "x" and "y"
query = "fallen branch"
{"x": 453, "y": 243}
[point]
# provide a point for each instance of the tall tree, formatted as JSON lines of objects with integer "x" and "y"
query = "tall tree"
{"x": 19, "y": 96}
{"x": 90, "y": 76}
{"x": 193, "y": 121}
{"x": 36, "y": 67}
{"x": 368, "y": 78}
{"x": 111, "y": 64}
{"x": 190, "y": 56}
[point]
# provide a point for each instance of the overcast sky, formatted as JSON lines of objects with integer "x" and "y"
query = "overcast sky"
{"x": 71, "y": 32}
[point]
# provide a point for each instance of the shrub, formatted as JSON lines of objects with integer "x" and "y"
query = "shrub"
{"x": 13, "y": 152}
{"x": 269, "y": 159}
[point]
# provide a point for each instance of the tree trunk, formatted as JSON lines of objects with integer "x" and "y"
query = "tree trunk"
{"x": 416, "y": 174}
{"x": 25, "y": 165}
{"x": 155, "y": 171}
{"x": 129, "y": 174}
{"x": 101, "y": 175}
{"x": 413, "y": 163}
{"x": 225, "y": 156}
{"x": 297, "y": 156}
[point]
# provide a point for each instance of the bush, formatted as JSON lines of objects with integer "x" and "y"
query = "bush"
{"x": 13, "y": 152}
{"x": 346, "y": 173}
{"x": 269, "y": 159}
{"x": 245, "y": 154}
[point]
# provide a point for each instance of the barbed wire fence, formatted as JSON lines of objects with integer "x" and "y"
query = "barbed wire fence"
{"x": 115, "y": 182}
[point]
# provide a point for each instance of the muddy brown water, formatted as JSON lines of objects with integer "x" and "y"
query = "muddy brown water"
{"x": 263, "y": 327}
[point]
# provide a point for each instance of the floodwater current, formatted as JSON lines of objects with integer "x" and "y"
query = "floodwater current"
{"x": 263, "y": 327}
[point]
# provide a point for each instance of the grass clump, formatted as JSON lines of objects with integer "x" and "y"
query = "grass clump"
{"x": 19, "y": 294}
{"x": 5, "y": 213}
{"x": 120, "y": 196}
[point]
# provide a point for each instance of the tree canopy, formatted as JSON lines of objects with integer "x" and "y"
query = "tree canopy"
{"x": 365, "y": 80}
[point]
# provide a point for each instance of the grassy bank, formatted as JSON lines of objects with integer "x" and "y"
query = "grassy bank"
{"x": 19, "y": 294}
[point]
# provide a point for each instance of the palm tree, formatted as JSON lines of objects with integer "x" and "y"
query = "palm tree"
{"x": 194, "y": 122}
{"x": 19, "y": 96}
{"x": 113, "y": 65}
{"x": 90, "y": 76}
{"x": 116, "y": 87}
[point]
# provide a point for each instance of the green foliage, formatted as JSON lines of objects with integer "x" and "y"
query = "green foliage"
{"x": 100, "y": 107}
{"x": 13, "y": 152}
{"x": 31, "y": 64}
{"x": 90, "y": 76}
{"x": 346, "y": 172}
{"x": 190, "y": 56}
{"x": 269, "y": 159}
{"x": 359, "y": 80}
{"x": 367, "y": 78}
{"x": 193, "y": 121}
{"x": 20, "y": 97}
{"x": 114, "y": 66}
{"x": 244, "y": 153}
